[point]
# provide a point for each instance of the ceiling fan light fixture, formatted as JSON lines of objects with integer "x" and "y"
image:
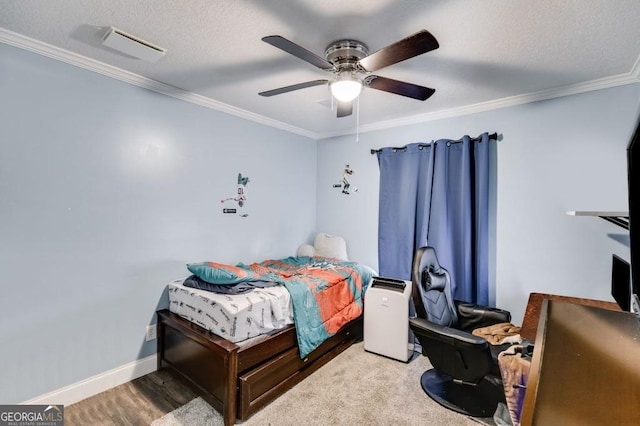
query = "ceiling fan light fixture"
{"x": 352, "y": 65}
{"x": 346, "y": 87}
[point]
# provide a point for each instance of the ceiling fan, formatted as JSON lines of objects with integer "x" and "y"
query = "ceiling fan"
{"x": 352, "y": 65}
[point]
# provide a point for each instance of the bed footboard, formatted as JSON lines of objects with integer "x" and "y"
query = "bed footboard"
{"x": 206, "y": 361}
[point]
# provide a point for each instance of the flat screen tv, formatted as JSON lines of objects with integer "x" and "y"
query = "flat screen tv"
{"x": 621, "y": 282}
{"x": 633, "y": 176}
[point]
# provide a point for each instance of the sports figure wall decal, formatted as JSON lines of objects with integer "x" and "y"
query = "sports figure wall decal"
{"x": 240, "y": 197}
{"x": 344, "y": 183}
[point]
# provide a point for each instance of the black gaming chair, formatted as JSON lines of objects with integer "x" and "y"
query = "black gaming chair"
{"x": 465, "y": 375}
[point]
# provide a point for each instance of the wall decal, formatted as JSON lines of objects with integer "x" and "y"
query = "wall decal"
{"x": 240, "y": 197}
{"x": 345, "y": 184}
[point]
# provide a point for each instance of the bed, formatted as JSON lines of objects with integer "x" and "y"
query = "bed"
{"x": 239, "y": 378}
{"x": 235, "y": 317}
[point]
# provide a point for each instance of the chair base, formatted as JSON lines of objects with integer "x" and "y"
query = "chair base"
{"x": 480, "y": 400}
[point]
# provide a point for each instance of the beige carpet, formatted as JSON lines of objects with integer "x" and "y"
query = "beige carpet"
{"x": 356, "y": 387}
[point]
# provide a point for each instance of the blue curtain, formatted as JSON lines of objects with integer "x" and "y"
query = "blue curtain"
{"x": 437, "y": 194}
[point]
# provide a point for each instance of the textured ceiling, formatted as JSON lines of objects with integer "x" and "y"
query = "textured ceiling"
{"x": 492, "y": 53}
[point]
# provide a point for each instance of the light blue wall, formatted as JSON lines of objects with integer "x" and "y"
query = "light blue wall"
{"x": 557, "y": 155}
{"x": 106, "y": 191}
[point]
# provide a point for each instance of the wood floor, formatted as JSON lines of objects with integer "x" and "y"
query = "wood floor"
{"x": 138, "y": 402}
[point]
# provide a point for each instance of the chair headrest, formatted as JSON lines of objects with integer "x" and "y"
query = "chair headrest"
{"x": 432, "y": 280}
{"x": 431, "y": 291}
{"x": 425, "y": 258}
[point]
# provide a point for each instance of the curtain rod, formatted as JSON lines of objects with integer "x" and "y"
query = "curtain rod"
{"x": 492, "y": 136}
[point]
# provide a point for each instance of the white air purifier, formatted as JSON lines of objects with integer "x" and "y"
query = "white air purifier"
{"x": 386, "y": 319}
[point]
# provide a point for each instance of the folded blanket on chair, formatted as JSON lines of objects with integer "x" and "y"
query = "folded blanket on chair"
{"x": 499, "y": 334}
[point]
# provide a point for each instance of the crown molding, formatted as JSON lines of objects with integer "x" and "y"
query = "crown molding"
{"x": 26, "y": 43}
{"x": 635, "y": 71}
{"x": 45, "y": 49}
{"x": 573, "y": 89}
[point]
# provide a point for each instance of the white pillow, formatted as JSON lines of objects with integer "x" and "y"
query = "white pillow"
{"x": 306, "y": 250}
{"x": 330, "y": 246}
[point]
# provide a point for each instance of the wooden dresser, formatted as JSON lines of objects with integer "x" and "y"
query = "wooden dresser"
{"x": 585, "y": 368}
{"x": 534, "y": 306}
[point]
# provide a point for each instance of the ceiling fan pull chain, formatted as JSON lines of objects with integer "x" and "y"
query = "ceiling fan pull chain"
{"x": 358, "y": 119}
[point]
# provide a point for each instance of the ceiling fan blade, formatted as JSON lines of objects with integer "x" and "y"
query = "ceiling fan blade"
{"x": 297, "y": 51}
{"x": 403, "y": 88}
{"x": 414, "y": 45}
{"x": 344, "y": 108}
{"x": 293, "y": 87}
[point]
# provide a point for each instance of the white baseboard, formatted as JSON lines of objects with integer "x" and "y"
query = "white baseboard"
{"x": 99, "y": 383}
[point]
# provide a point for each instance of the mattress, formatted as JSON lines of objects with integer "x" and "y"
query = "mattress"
{"x": 235, "y": 317}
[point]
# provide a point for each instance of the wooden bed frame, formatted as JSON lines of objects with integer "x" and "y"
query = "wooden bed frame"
{"x": 240, "y": 380}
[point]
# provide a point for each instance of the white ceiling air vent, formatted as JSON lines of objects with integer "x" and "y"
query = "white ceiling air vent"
{"x": 132, "y": 46}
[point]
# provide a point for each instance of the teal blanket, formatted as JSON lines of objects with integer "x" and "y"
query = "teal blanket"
{"x": 326, "y": 293}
